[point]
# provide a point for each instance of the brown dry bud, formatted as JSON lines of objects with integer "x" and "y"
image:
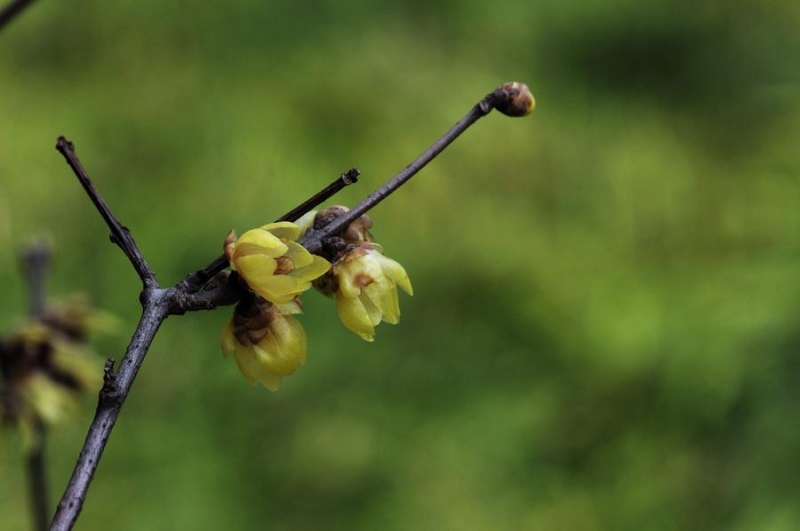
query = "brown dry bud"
{"x": 514, "y": 99}
{"x": 356, "y": 232}
{"x": 251, "y": 321}
{"x": 227, "y": 246}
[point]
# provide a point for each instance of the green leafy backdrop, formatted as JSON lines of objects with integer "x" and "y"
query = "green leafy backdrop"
{"x": 604, "y": 332}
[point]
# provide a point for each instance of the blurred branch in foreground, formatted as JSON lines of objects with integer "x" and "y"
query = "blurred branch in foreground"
{"x": 9, "y": 12}
{"x": 35, "y": 264}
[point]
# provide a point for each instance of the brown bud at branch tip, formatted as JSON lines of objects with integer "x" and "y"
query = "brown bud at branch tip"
{"x": 514, "y": 99}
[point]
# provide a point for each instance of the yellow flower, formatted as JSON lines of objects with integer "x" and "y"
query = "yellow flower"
{"x": 272, "y": 263}
{"x": 266, "y": 341}
{"x": 365, "y": 288}
{"x": 46, "y": 369}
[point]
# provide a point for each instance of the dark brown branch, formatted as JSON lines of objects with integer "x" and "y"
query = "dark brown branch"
{"x": 35, "y": 263}
{"x": 195, "y": 281}
{"x": 119, "y": 234}
{"x": 159, "y": 303}
{"x": 506, "y": 98}
{"x": 347, "y": 178}
{"x": 112, "y": 396}
{"x": 8, "y": 13}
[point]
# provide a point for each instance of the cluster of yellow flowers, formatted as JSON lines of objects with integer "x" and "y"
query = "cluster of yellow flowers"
{"x": 264, "y": 336}
{"x": 46, "y": 363}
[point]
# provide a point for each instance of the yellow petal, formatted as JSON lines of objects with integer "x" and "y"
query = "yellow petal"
{"x": 300, "y": 257}
{"x": 283, "y": 229}
{"x": 292, "y": 307}
{"x": 270, "y": 381}
{"x": 257, "y": 241}
{"x": 318, "y": 267}
{"x": 227, "y": 340}
{"x": 394, "y": 271}
{"x": 281, "y": 289}
{"x": 285, "y": 345}
{"x": 372, "y": 305}
{"x": 247, "y": 363}
{"x": 355, "y": 317}
{"x": 301, "y": 340}
{"x": 271, "y": 359}
{"x": 255, "y": 268}
{"x": 351, "y": 274}
{"x": 305, "y": 222}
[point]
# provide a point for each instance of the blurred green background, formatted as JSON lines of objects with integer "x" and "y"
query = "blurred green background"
{"x": 605, "y": 330}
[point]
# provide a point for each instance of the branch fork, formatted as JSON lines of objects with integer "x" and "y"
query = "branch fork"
{"x": 210, "y": 287}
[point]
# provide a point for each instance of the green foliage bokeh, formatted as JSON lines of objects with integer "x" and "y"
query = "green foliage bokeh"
{"x": 604, "y": 332}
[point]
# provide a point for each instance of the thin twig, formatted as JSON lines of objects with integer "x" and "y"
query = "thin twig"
{"x": 119, "y": 234}
{"x": 159, "y": 303}
{"x": 35, "y": 263}
{"x": 196, "y": 280}
{"x": 501, "y": 98}
{"x": 8, "y": 13}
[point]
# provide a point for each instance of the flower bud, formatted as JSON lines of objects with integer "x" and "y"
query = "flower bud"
{"x": 514, "y": 99}
{"x": 356, "y": 232}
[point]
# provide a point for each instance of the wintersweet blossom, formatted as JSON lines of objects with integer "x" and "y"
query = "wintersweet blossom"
{"x": 44, "y": 366}
{"x": 266, "y": 341}
{"x": 364, "y": 283}
{"x": 272, "y": 263}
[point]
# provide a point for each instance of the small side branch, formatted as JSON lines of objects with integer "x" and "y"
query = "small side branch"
{"x": 8, "y": 13}
{"x": 119, "y": 234}
{"x": 196, "y": 280}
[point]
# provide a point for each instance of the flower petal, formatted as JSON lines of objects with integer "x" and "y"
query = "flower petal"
{"x": 394, "y": 271}
{"x": 355, "y": 317}
{"x": 305, "y": 222}
{"x": 270, "y": 381}
{"x": 247, "y": 363}
{"x": 257, "y": 241}
{"x": 318, "y": 267}
{"x": 283, "y": 229}
{"x": 281, "y": 289}
{"x": 255, "y": 268}
{"x": 300, "y": 257}
{"x": 292, "y": 307}
{"x": 227, "y": 340}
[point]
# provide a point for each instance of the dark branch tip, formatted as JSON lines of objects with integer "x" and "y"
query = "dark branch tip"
{"x": 514, "y": 99}
{"x": 63, "y": 144}
{"x": 350, "y": 176}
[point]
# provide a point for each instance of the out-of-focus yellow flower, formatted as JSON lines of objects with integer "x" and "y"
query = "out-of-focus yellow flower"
{"x": 272, "y": 263}
{"x": 45, "y": 369}
{"x": 364, "y": 283}
{"x": 266, "y": 341}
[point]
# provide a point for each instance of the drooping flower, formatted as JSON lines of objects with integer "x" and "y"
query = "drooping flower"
{"x": 266, "y": 341}
{"x": 362, "y": 280}
{"x": 272, "y": 263}
{"x": 364, "y": 283}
